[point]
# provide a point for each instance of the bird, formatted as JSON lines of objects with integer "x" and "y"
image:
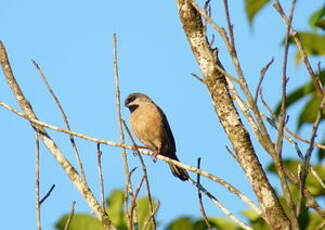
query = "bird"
{"x": 150, "y": 125}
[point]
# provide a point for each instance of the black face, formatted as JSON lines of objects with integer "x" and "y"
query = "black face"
{"x": 129, "y": 100}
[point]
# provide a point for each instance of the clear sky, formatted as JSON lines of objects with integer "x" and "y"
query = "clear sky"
{"x": 72, "y": 41}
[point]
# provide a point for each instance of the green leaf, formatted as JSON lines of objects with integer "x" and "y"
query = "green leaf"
{"x": 252, "y": 7}
{"x": 321, "y": 152}
{"x": 221, "y": 223}
{"x": 115, "y": 208}
{"x": 188, "y": 223}
{"x": 321, "y": 24}
{"x": 314, "y": 221}
{"x": 182, "y": 223}
{"x": 316, "y": 19}
{"x": 143, "y": 210}
{"x": 256, "y": 220}
{"x": 313, "y": 185}
{"x": 296, "y": 95}
{"x": 313, "y": 44}
{"x": 80, "y": 222}
{"x": 310, "y": 111}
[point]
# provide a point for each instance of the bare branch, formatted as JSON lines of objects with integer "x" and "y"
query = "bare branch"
{"x": 202, "y": 210}
{"x": 198, "y": 78}
{"x": 37, "y": 184}
{"x": 65, "y": 119}
{"x": 134, "y": 202}
{"x": 306, "y": 163}
{"x": 278, "y": 162}
{"x": 302, "y": 52}
{"x": 129, "y": 189}
{"x": 231, "y": 188}
{"x": 71, "y": 172}
{"x": 222, "y": 208}
{"x": 47, "y": 194}
{"x": 67, "y": 224}
{"x": 132, "y": 222}
{"x": 262, "y": 74}
{"x": 190, "y": 16}
{"x": 101, "y": 178}
{"x": 147, "y": 224}
{"x": 144, "y": 169}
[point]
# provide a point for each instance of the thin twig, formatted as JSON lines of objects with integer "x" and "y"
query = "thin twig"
{"x": 198, "y": 78}
{"x": 306, "y": 163}
{"x": 65, "y": 119}
{"x": 65, "y": 164}
{"x": 101, "y": 178}
{"x": 129, "y": 189}
{"x": 311, "y": 202}
{"x": 128, "y": 215}
{"x": 37, "y": 184}
{"x": 67, "y": 224}
{"x": 214, "y": 178}
{"x": 222, "y": 208}
{"x": 295, "y": 35}
{"x": 229, "y": 24}
{"x": 283, "y": 115}
{"x": 317, "y": 177}
{"x": 231, "y": 153}
{"x": 147, "y": 224}
{"x": 134, "y": 202}
{"x": 144, "y": 168}
{"x": 318, "y": 145}
{"x": 321, "y": 226}
{"x": 262, "y": 74}
{"x": 47, "y": 194}
{"x": 199, "y": 194}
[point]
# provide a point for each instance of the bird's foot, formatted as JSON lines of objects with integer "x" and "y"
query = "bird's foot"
{"x": 154, "y": 156}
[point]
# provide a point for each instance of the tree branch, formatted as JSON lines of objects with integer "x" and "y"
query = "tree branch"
{"x": 228, "y": 115}
{"x": 75, "y": 178}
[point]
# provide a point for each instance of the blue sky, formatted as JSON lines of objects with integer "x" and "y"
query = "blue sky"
{"x": 72, "y": 42}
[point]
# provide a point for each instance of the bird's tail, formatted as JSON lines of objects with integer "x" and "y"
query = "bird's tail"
{"x": 178, "y": 172}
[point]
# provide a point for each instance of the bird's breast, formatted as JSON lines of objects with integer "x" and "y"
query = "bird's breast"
{"x": 147, "y": 125}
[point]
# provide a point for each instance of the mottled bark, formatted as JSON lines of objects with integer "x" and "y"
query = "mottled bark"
{"x": 229, "y": 117}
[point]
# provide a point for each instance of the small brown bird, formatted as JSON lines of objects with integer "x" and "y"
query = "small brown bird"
{"x": 150, "y": 125}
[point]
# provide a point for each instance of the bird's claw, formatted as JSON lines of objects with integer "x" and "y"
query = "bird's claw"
{"x": 154, "y": 156}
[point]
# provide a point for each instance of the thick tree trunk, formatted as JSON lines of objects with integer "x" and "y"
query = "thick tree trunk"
{"x": 229, "y": 117}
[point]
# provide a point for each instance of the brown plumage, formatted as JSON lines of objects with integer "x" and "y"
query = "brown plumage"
{"x": 150, "y": 125}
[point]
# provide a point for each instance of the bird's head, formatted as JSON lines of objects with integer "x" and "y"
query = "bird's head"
{"x": 134, "y": 100}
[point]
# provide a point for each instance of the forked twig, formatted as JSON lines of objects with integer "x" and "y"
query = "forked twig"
{"x": 222, "y": 208}
{"x": 134, "y": 202}
{"x": 147, "y": 224}
{"x": 202, "y": 210}
{"x": 144, "y": 168}
{"x": 262, "y": 74}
